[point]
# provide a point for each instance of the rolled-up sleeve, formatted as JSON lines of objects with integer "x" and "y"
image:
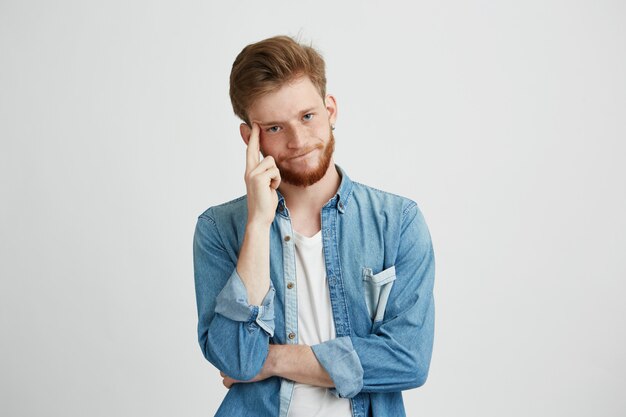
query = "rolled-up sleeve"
{"x": 232, "y": 303}
{"x": 340, "y": 360}
{"x": 396, "y": 355}
{"x": 233, "y": 335}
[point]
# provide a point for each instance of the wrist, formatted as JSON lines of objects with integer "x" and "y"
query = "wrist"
{"x": 256, "y": 225}
{"x": 271, "y": 362}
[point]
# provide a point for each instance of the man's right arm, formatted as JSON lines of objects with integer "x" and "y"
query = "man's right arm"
{"x": 233, "y": 333}
{"x": 236, "y": 319}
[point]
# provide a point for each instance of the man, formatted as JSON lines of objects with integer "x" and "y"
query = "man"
{"x": 314, "y": 292}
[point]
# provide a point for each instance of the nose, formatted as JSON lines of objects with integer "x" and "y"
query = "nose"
{"x": 297, "y": 137}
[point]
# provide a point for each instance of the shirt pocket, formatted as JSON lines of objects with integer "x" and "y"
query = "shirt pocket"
{"x": 377, "y": 288}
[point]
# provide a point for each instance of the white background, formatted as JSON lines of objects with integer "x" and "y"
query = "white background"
{"x": 504, "y": 120}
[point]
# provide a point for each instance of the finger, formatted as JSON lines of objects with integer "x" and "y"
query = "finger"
{"x": 222, "y": 374}
{"x": 228, "y": 382}
{"x": 275, "y": 179}
{"x": 267, "y": 163}
{"x": 275, "y": 183}
{"x": 252, "y": 151}
{"x": 269, "y": 175}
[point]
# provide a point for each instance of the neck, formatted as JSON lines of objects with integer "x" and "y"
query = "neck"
{"x": 312, "y": 198}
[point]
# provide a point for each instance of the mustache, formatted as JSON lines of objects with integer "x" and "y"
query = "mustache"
{"x": 306, "y": 151}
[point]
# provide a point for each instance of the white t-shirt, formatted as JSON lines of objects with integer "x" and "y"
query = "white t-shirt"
{"x": 315, "y": 325}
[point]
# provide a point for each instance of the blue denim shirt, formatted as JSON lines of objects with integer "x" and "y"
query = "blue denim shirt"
{"x": 380, "y": 270}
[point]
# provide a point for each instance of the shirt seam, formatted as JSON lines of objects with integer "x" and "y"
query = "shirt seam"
{"x": 381, "y": 191}
{"x": 406, "y": 210}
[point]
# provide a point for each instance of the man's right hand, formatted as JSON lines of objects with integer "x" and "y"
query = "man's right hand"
{"x": 262, "y": 179}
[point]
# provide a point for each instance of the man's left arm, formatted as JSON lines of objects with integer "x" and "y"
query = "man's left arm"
{"x": 294, "y": 362}
{"x": 396, "y": 357}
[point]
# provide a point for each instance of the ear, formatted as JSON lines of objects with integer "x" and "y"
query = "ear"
{"x": 331, "y": 108}
{"x": 245, "y": 131}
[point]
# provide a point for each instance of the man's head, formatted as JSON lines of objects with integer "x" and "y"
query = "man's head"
{"x": 265, "y": 66}
{"x": 281, "y": 85}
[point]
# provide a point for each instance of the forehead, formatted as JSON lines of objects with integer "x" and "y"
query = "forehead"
{"x": 287, "y": 102}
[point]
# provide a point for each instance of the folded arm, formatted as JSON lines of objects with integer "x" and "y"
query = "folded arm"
{"x": 233, "y": 333}
{"x": 396, "y": 356}
{"x": 293, "y": 362}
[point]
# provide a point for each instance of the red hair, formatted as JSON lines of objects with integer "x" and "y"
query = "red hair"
{"x": 267, "y": 65}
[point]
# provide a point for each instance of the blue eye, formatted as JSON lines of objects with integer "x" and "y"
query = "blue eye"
{"x": 273, "y": 129}
{"x": 308, "y": 114}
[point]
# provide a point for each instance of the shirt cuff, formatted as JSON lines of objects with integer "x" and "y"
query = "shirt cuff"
{"x": 343, "y": 365}
{"x": 232, "y": 303}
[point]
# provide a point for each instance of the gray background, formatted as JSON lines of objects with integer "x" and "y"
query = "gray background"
{"x": 505, "y": 121}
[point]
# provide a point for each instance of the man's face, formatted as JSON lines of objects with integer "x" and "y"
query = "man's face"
{"x": 295, "y": 130}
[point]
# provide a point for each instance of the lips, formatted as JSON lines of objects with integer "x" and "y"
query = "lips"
{"x": 303, "y": 154}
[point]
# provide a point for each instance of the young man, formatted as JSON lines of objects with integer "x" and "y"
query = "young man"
{"x": 314, "y": 292}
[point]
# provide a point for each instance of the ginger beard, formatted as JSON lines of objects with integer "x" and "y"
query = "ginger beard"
{"x": 309, "y": 177}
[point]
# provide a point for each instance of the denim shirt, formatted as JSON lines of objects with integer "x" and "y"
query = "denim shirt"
{"x": 380, "y": 271}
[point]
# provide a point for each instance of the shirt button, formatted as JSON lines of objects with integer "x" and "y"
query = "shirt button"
{"x": 281, "y": 207}
{"x": 292, "y": 335}
{"x": 290, "y": 285}
{"x": 341, "y": 205}
{"x": 287, "y": 238}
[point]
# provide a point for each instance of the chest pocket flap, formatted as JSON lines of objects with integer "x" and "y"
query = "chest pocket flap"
{"x": 377, "y": 288}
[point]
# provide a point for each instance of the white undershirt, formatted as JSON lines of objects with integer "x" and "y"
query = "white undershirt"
{"x": 315, "y": 325}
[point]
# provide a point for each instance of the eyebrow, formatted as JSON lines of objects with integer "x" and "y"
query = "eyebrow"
{"x": 277, "y": 123}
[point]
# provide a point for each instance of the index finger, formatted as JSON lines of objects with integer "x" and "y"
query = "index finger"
{"x": 252, "y": 152}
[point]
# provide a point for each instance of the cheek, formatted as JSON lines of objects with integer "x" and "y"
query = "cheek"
{"x": 264, "y": 148}
{"x": 320, "y": 132}
{"x": 262, "y": 144}
{"x": 313, "y": 128}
